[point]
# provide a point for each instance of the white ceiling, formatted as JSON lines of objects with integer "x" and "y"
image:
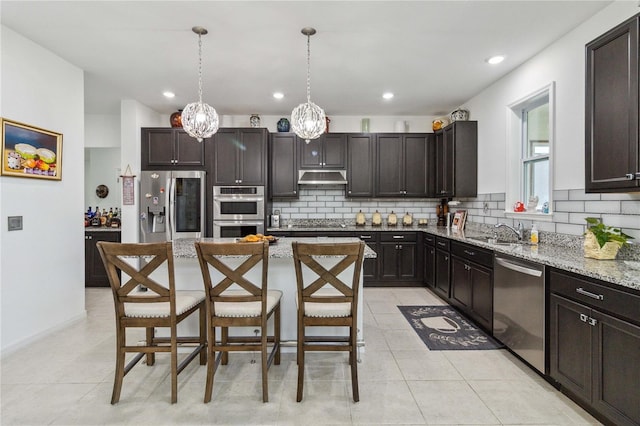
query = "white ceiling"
{"x": 431, "y": 54}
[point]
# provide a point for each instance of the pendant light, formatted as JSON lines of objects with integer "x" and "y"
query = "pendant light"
{"x": 308, "y": 120}
{"x": 199, "y": 119}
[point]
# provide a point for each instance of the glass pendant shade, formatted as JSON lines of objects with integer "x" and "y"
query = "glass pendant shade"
{"x": 308, "y": 121}
{"x": 199, "y": 119}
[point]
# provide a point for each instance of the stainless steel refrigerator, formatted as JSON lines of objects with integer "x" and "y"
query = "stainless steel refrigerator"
{"x": 172, "y": 205}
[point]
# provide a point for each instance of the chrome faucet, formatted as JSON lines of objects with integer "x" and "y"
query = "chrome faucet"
{"x": 519, "y": 231}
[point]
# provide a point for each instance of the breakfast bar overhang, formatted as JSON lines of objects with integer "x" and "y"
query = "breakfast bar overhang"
{"x": 281, "y": 276}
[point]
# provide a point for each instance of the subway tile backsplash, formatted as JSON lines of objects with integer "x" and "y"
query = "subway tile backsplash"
{"x": 569, "y": 210}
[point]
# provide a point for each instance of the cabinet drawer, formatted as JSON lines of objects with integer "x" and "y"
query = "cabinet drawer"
{"x": 442, "y": 243}
{"x": 472, "y": 253}
{"x": 430, "y": 239}
{"x": 620, "y": 303}
{"x": 398, "y": 236}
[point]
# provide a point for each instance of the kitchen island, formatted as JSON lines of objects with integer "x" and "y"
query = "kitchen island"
{"x": 281, "y": 276}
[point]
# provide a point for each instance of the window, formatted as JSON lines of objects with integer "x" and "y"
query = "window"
{"x": 530, "y": 142}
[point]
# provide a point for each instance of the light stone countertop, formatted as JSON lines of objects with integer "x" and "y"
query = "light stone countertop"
{"x": 625, "y": 273}
{"x": 184, "y": 247}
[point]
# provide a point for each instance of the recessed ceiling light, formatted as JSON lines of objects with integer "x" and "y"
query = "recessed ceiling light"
{"x": 169, "y": 94}
{"x": 278, "y": 95}
{"x": 387, "y": 95}
{"x": 494, "y": 60}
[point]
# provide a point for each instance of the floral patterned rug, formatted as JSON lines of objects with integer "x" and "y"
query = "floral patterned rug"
{"x": 444, "y": 328}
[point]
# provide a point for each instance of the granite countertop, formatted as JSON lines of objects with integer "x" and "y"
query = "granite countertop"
{"x": 100, "y": 229}
{"x": 625, "y": 273}
{"x": 184, "y": 247}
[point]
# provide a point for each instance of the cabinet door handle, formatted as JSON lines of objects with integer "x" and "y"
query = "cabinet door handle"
{"x": 584, "y": 292}
{"x": 446, "y": 258}
{"x": 630, "y": 176}
{"x": 637, "y": 175}
{"x": 470, "y": 253}
{"x": 441, "y": 244}
{"x": 592, "y": 321}
{"x": 584, "y": 318}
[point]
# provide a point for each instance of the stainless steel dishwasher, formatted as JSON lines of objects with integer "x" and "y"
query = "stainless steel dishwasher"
{"x": 519, "y": 307}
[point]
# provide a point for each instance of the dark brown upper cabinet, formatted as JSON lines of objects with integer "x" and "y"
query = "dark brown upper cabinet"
{"x": 170, "y": 148}
{"x": 240, "y": 156}
{"x": 457, "y": 160}
{"x": 329, "y": 151}
{"x": 284, "y": 165}
{"x": 612, "y": 151}
{"x": 360, "y": 165}
{"x": 402, "y": 165}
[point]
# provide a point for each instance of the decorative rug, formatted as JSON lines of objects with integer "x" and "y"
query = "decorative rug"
{"x": 443, "y": 328}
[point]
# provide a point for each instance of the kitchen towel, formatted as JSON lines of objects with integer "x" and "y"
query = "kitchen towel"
{"x": 444, "y": 328}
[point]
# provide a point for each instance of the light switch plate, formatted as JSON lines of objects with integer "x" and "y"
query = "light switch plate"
{"x": 14, "y": 223}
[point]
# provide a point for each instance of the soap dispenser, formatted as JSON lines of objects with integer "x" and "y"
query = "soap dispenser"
{"x": 534, "y": 235}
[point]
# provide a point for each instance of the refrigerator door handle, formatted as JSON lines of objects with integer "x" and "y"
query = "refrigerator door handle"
{"x": 171, "y": 207}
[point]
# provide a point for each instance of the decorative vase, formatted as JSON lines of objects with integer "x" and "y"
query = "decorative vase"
{"x": 593, "y": 250}
{"x": 328, "y": 120}
{"x": 254, "y": 120}
{"x": 460, "y": 115}
{"x": 176, "y": 119}
{"x": 283, "y": 125}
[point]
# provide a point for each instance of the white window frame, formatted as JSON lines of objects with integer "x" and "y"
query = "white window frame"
{"x": 515, "y": 145}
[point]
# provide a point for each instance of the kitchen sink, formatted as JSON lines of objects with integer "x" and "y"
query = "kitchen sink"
{"x": 496, "y": 241}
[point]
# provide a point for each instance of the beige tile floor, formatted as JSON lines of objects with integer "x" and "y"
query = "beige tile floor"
{"x": 66, "y": 379}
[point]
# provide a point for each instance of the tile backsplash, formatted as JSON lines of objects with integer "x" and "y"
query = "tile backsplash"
{"x": 570, "y": 208}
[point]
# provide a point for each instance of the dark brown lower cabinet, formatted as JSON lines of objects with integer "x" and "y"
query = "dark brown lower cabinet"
{"x": 443, "y": 262}
{"x": 594, "y": 355}
{"x": 429, "y": 260}
{"x": 370, "y": 266}
{"x": 94, "y": 273}
{"x": 399, "y": 258}
{"x": 472, "y": 283}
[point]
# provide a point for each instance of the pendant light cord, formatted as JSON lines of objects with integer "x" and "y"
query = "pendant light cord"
{"x": 200, "y": 67}
{"x": 308, "y": 68}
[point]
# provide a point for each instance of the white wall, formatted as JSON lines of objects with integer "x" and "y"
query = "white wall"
{"x": 134, "y": 116}
{"x": 101, "y": 131}
{"x": 562, "y": 62}
{"x": 42, "y": 266}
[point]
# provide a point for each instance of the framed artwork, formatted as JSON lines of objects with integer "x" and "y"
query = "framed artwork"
{"x": 29, "y": 151}
{"x": 459, "y": 220}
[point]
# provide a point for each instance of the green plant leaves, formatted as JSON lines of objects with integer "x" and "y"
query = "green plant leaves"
{"x": 605, "y": 234}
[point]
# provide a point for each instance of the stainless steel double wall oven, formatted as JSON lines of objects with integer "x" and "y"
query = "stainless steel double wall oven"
{"x": 238, "y": 211}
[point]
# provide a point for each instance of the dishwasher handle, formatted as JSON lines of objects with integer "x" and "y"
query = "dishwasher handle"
{"x": 518, "y": 268}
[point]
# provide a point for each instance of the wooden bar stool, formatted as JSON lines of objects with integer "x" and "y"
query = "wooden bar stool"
{"x": 237, "y": 302}
{"x": 327, "y": 301}
{"x": 159, "y": 306}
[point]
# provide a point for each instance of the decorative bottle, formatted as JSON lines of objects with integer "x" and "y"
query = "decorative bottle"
{"x": 283, "y": 125}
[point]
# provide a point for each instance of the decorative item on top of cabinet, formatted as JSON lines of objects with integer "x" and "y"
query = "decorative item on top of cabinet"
{"x": 460, "y": 115}
{"x": 283, "y": 125}
{"x": 254, "y": 121}
{"x": 176, "y": 119}
{"x": 612, "y": 146}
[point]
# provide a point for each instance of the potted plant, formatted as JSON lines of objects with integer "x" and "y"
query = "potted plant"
{"x": 602, "y": 241}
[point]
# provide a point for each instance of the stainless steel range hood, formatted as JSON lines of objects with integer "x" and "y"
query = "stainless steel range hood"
{"x": 322, "y": 177}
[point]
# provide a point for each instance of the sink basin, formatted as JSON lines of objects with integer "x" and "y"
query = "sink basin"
{"x": 495, "y": 241}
